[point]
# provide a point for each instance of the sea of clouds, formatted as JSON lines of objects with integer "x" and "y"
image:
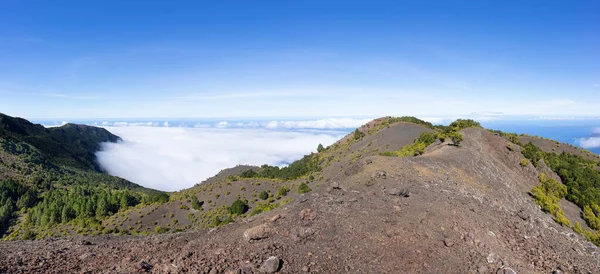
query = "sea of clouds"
{"x": 174, "y": 154}
{"x": 170, "y": 159}
{"x": 591, "y": 142}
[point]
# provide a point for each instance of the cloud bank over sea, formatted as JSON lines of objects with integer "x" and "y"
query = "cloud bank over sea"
{"x": 171, "y": 159}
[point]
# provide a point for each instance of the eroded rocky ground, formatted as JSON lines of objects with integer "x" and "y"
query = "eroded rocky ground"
{"x": 452, "y": 210}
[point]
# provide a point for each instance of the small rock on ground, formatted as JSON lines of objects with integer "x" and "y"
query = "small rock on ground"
{"x": 257, "y": 232}
{"x": 271, "y": 265}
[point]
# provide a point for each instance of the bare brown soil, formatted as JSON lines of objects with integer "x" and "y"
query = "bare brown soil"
{"x": 454, "y": 209}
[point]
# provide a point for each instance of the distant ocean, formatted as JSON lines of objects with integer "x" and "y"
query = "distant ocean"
{"x": 582, "y": 133}
{"x": 174, "y": 154}
{"x": 574, "y": 132}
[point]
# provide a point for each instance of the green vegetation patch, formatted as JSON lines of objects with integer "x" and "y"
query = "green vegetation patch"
{"x": 427, "y": 138}
{"x": 303, "y": 188}
{"x": 548, "y": 195}
{"x": 238, "y": 207}
{"x": 266, "y": 206}
{"x": 263, "y": 195}
{"x": 581, "y": 185}
{"x": 308, "y": 164}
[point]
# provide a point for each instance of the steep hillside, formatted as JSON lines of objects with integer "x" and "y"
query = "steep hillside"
{"x": 69, "y": 145}
{"x": 396, "y": 196}
{"x": 50, "y": 183}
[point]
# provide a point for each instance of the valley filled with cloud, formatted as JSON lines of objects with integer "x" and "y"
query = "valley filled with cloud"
{"x": 173, "y": 158}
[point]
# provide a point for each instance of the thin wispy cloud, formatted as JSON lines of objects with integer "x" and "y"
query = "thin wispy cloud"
{"x": 331, "y": 123}
{"x": 251, "y": 95}
{"x": 67, "y": 96}
{"x": 321, "y": 124}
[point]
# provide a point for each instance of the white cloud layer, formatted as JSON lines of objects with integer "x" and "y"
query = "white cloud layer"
{"x": 591, "y": 142}
{"x": 176, "y": 158}
{"x": 331, "y": 123}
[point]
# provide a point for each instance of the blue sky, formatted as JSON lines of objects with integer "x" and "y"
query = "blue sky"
{"x": 108, "y": 59}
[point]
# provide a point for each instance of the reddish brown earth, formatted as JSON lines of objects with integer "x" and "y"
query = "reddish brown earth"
{"x": 454, "y": 209}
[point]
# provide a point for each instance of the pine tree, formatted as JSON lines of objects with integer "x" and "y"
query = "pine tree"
{"x": 320, "y": 148}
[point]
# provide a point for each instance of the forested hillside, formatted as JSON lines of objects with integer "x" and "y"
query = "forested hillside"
{"x": 50, "y": 183}
{"x": 69, "y": 145}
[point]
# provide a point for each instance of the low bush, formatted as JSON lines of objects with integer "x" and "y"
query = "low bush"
{"x": 303, "y": 188}
{"x": 283, "y": 191}
{"x": 524, "y": 162}
{"x": 160, "y": 230}
{"x": 238, "y": 207}
{"x": 196, "y": 204}
{"x": 263, "y": 195}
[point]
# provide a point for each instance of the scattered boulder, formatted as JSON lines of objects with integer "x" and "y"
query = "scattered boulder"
{"x": 307, "y": 214}
{"x": 301, "y": 233}
{"x": 335, "y": 185}
{"x": 275, "y": 218}
{"x": 246, "y": 268}
{"x": 379, "y": 174}
{"x": 448, "y": 242}
{"x": 145, "y": 266}
{"x": 523, "y": 215}
{"x": 505, "y": 270}
{"x": 470, "y": 238}
{"x": 271, "y": 265}
{"x": 258, "y": 232}
{"x": 368, "y": 161}
{"x": 86, "y": 255}
{"x": 398, "y": 192}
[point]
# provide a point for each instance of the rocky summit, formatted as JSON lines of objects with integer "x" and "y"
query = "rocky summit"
{"x": 395, "y": 196}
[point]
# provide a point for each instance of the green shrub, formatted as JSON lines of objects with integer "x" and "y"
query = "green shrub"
{"x": 320, "y": 148}
{"x": 28, "y": 235}
{"x": 456, "y": 138}
{"x": 262, "y": 207}
{"x": 548, "y": 195}
{"x": 524, "y": 162}
{"x": 303, "y": 188}
{"x": 238, "y": 207}
{"x": 196, "y": 204}
{"x": 358, "y": 134}
{"x": 463, "y": 123}
{"x": 160, "y": 230}
{"x": 283, "y": 191}
{"x": 308, "y": 163}
{"x": 263, "y": 195}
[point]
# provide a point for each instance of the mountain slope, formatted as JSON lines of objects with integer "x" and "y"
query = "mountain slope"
{"x": 458, "y": 207}
{"x": 50, "y": 183}
{"x": 69, "y": 145}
